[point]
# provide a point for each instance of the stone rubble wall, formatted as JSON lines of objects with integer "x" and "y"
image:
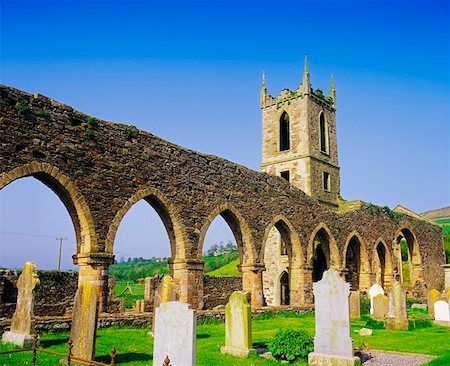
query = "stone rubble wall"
{"x": 53, "y": 297}
{"x": 217, "y": 290}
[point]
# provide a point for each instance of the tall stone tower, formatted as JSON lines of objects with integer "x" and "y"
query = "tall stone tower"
{"x": 299, "y": 139}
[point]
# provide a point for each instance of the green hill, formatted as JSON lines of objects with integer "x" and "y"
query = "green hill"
{"x": 136, "y": 268}
{"x": 228, "y": 270}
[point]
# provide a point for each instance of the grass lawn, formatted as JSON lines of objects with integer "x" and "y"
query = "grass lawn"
{"x": 135, "y": 347}
{"x": 130, "y": 299}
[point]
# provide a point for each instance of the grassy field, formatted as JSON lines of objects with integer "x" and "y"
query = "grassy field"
{"x": 135, "y": 347}
{"x": 130, "y": 299}
{"x": 227, "y": 270}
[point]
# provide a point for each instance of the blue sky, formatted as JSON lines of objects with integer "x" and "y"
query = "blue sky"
{"x": 190, "y": 72}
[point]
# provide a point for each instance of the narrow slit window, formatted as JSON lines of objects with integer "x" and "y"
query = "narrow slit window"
{"x": 326, "y": 182}
{"x": 324, "y": 145}
{"x": 285, "y": 175}
{"x": 284, "y": 132}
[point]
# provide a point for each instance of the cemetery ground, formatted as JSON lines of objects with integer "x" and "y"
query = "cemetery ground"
{"x": 134, "y": 345}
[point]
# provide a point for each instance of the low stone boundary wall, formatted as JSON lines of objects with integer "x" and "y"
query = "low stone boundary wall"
{"x": 139, "y": 320}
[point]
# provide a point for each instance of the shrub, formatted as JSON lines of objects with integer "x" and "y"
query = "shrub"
{"x": 365, "y": 305}
{"x": 289, "y": 345}
{"x": 374, "y": 324}
{"x": 410, "y": 301}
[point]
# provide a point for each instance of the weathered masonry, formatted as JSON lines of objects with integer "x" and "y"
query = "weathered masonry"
{"x": 100, "y": 169}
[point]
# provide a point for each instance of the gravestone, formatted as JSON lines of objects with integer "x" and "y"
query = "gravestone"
{"x": 374, "y": 290}
{"x": 355, "y": 304}
{"x": 442, "y": 313}
{"x": 175, "y": 334}
{"x": 165, "y": 292}
{"x": 84, "y": 321}
{"x": 332, "y": 342}
{"x": 22, "y": 323}
{"x": 380, "y": 307}
{"x": 397, "y": 315}
{"x": 432, "y": 296}
{"x": 238, "y": 326}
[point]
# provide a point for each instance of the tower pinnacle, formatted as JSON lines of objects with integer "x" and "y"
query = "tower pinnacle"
{"x": 332, "y": 90}
{"x": 306, "y": 85}
{"x": 263, "y": 93}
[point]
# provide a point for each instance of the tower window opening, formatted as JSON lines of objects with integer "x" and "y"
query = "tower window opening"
{"x": 284, "y": 132}
{"x": 324, "y": 146}
{"x": 326, "y": 182}
{"x": 285, "y": 175}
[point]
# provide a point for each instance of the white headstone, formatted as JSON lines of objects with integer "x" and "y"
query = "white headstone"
{"x": 375, "y": 290}
{"x": 332, "y": 342}
{"x": 441, "y": 311}
{"x": 175, "y": 334}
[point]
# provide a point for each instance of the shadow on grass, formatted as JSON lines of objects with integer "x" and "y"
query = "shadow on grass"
{"x": 126, "y": 357}
{"x": 260, "y": 345}
{"x": 201, "y": 336}
{"x": 45, "y": 343}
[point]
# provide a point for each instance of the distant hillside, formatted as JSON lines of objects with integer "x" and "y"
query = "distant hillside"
{"x": 228, "y": 270}
{"x": 438, "y": 214}
{"x": 136, "y": 268}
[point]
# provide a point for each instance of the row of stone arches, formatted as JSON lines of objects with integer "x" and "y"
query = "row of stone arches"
{"x": 305, "y": 264}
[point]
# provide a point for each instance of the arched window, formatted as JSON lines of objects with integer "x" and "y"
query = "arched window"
{"x": 323, "y": 134}
{"x": 284, "y": 132}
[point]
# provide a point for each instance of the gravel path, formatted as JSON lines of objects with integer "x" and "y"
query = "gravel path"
{"x": 382, "y": 358}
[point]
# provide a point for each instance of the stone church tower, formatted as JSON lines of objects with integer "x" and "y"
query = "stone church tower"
{"x": 299, "y": 139}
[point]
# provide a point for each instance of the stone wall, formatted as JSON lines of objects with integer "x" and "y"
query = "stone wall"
{"x": 100, "y": 169}
{"x": 54, "y": 295}
{"x": 217, "y": 290}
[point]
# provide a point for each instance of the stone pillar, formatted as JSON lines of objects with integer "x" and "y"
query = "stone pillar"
{"x": 300, "y": 283}
{"x": 364, "y": 281}
{"x": 252, "y": 282}
{"x": 94, "y": 270}
{"x": 188, "y": 277}
{"x": 388, "y": 281}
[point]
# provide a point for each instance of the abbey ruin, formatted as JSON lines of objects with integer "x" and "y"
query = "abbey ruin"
{"x": 289, "y": 221}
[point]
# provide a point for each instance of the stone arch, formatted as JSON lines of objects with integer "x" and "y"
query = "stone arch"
{"x": 168, "y": 213}
{"x": 280, "y": 230}
{"x": 68, "y": 193}
{"x": 283, "y": 285}
{"x": 382, "y": 275}
{"x": 361, "y": 279}
{"x": 289, "y": 234}
{"x": 414, "y": 257}
{"x": 239, "y": 227}
{"x": 334, "y": 252}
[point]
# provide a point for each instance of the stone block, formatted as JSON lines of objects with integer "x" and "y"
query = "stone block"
{"x": 21, "y": 340}
{"x": 380, "y": 307}
{"x": 318, "y": 359}
{"x": 175, "y": 334}
{"x": 332, "y": 340}
{"x": 397, "y": 315}
{"x": 374, "y": 290}
{"x": 84, "y": 321}
{"x": 432, "y": 296}
{"x": 355, "y": 304}
{"x": 441, "y": 311}
{"x": 238, "y": 326}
